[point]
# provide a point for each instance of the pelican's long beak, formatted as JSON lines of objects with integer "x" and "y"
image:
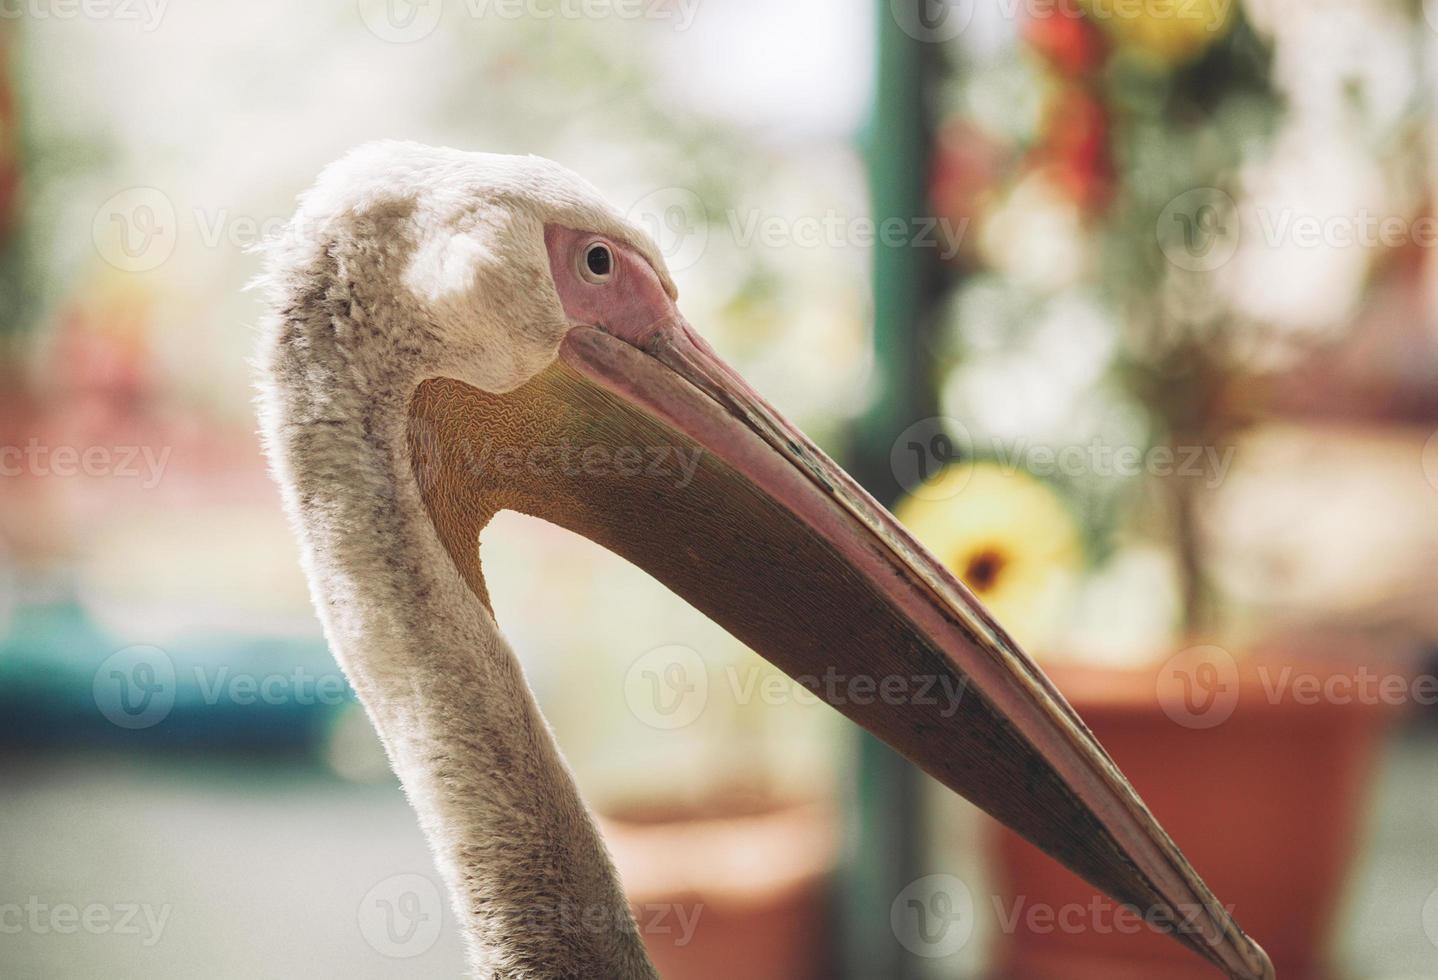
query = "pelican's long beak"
{"x": 655, "y": 449}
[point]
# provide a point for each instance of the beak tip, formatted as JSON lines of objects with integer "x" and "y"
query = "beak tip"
{"x": 1264, "y": 965}
{"x": 1255, "y": 963}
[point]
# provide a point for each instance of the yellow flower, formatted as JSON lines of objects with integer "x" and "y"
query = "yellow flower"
{"x": 1007, "y": 536}
{"x": 1171, "y": 31}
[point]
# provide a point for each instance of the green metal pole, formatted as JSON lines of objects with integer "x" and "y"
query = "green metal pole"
{"x": 884, "y": 849}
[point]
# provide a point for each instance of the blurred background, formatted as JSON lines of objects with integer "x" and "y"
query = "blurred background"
{"x": 1128, "y": 307}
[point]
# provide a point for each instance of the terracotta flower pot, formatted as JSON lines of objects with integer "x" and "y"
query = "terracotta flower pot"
{"x": 1258, "y": 768}
{"x": 729, "y": 890}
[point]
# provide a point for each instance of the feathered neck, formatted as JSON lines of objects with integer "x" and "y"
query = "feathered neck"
{"x": 525, "y": 867}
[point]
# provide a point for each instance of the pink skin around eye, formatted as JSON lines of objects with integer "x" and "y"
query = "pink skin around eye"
{"x": 631, "y": 305}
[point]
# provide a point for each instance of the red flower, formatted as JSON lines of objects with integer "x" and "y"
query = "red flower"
{"x": 967, "y": 166}
{"x": 1066, "y": 38}
{"x": 1075, "y": 148}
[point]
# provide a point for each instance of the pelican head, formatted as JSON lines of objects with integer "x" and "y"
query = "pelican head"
{"x": 442, "y": 325}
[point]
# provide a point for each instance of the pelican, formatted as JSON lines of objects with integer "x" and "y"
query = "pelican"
{"x": 437, "y": 318}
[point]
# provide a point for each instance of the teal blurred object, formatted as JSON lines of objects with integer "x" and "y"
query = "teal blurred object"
{"x": 65, "y": 682}
{"x": 884, "y": 810}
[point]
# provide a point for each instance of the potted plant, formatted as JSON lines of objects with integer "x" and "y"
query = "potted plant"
{"x": 1257, "y": 761}
{"x": 1251, "y": 729}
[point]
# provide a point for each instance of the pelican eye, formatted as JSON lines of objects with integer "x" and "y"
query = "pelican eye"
{"x": 597, "y": 264}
